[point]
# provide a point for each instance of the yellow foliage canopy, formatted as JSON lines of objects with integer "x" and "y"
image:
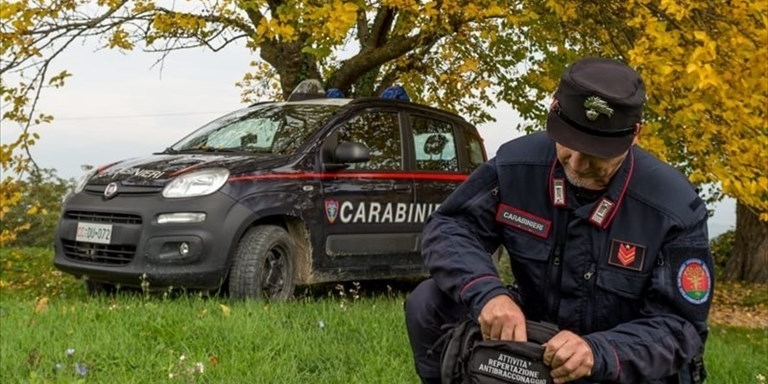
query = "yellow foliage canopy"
{"x": 705, "y": 65}
{"x": 704, "y": 62}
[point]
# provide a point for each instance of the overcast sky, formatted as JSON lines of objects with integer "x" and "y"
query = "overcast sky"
{"x": 117, "y": 106}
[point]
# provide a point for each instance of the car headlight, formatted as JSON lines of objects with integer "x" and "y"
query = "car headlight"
{"x": 84, "y": 180}
{"x": 199, "y": 183}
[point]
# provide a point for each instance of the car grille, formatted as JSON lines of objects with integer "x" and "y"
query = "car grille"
{"x": 129, "y": 190}
{"x": 104, "y": 217}
{"x": 99, "y": 253}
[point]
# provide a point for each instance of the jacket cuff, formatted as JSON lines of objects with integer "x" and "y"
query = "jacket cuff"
{"x": 607, "y": 366}
{"x": 479, "y": 291}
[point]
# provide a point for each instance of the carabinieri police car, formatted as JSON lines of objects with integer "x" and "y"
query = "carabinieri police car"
{"x": 270, "y": 197}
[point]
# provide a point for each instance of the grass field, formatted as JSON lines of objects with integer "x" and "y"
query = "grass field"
{"x": 188, "y": 339}
{"x": 51, "y": 332}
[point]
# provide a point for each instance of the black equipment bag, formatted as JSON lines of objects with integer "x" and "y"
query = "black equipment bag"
{"x": 468, "y": 359}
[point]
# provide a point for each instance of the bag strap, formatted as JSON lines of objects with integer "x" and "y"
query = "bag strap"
{"x": 460, "y": 340}
{"x": 540, "y": 331}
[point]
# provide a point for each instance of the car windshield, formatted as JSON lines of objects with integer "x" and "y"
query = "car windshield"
{"x": 276, "y": 128}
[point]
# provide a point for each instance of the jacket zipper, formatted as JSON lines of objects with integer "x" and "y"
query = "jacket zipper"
{"x": 555, "y": 268}
{"x": 591, "y": 313}
{"x": 552, "y": 290}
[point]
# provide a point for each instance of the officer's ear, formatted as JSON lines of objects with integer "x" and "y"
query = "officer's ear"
{"x": 638, "y": 128}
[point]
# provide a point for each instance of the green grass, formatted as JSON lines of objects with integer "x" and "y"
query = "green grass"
{"x": 737, "y": 355}
{"x": 130, "y": 339}
{"x": 49, "y": 328}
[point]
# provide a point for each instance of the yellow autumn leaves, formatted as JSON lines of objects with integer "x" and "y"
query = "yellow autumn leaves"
{"x": 705, "y": 65}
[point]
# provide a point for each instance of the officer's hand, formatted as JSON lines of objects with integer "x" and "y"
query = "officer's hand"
{"x": 502, "y": 319}
{"x": 569, "y": 356}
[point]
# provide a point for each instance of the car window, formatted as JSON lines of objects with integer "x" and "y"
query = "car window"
{"x": 435, "y": 145}
{"x": 256, "y": 135}
{"x": 380, "y": 132}
{"x": 269, "y": 128}
{"x": 474, "y": 149}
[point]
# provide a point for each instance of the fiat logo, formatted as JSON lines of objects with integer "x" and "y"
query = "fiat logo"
{"x": 110, "y": 190}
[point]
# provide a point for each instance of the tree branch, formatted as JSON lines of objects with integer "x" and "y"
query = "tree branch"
{"x": 380, "y": 29}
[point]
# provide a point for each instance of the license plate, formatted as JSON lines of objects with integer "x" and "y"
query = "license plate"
{"x": 94, "y": 233}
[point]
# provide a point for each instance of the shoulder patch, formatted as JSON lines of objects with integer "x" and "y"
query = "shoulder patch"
{"x": 695, "y": 204}
{"x": 694, "y": 281}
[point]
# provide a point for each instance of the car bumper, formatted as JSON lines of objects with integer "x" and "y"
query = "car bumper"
{"x": 142, "y": 251}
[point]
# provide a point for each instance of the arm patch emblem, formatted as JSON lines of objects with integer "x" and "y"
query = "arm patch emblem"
{"x": 694, "y": 281}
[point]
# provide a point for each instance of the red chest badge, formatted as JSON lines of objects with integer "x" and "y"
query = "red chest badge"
{"x": 627, "y": 255}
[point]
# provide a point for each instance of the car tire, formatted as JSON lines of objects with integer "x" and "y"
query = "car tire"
{"x": 263, "y": 267}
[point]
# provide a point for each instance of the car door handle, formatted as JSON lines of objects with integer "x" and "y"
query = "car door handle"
{"x": 402, "y": 188}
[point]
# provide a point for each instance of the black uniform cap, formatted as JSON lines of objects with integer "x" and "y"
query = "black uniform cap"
{"x": 598, "y": 103}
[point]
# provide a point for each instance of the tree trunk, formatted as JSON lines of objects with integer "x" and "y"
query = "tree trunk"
{"x": 749, "y": 258}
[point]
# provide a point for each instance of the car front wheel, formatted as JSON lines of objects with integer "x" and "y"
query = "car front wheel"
{"x": 264, "y": 265}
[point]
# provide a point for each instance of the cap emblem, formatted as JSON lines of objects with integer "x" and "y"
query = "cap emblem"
{"x": 595, "y": 106}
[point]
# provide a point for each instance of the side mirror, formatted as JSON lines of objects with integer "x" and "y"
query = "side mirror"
{"x": 349, "y": 152}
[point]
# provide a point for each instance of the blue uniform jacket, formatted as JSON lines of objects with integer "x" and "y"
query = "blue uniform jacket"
{"x": 631, "y": 272}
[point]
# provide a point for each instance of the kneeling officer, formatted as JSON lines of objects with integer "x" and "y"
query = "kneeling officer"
{"x": 605, "y": 241}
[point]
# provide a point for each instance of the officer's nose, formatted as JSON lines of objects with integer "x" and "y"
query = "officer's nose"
{"x": 578, "y": 161}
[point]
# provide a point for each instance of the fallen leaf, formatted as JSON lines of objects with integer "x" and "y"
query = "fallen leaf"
{"x": 41, "y": 305}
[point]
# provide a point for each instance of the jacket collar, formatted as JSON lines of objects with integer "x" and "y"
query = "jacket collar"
{"x": 601, "y": 212}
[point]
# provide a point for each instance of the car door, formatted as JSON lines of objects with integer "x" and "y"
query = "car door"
{"x": 368, "y": 206}
{"x": 439, "y": 164}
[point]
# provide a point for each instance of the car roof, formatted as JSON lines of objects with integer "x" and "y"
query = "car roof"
{"x": 368, "y": 101}
{"x": 318, "y": 101}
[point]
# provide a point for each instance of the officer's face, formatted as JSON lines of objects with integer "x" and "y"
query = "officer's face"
{"x": 587, "y": 171}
